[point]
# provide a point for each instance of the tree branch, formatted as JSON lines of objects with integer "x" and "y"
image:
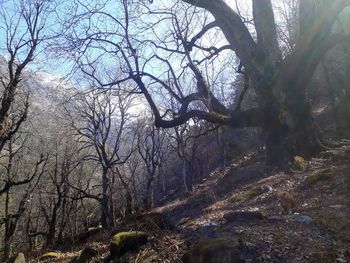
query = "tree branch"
{"x": 235, "y": 31}
{"x": 264, "y": 22}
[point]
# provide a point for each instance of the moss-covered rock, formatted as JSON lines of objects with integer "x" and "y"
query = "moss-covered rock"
{"x": 126, "y": 241}
{"x": 322, "y": 175}
{"x": 50, "y": 255}
{"x": 299, "y": 163}
{"x": 217, "y": 250}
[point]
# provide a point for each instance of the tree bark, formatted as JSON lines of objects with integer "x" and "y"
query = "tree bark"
{"x": 51, "y": 234}
{"x": 289, "y": 133}
{"x": 105, "y": 208}
{"x": 128, "y": 200}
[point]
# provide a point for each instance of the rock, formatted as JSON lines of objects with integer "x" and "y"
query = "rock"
{"x": 268, "y": 188}
{"x": 303, "y": 219}
{"x": 126, "y": 241}
{"x": 50, "y": 255}
{"x": 241, "y": 216}
{"x": 19, "y": 258}
{"x": 208, "y": 223}
{"x": 217, "y": 250}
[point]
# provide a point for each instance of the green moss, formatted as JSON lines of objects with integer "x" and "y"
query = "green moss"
{"x": 322, "y": 175}
{"x": 126, "y": 241}
{"x": 224, "y": 250}
{"x": 299, "y": 163}
{"x": 49, "y": 255}
{"x": 122, "y": 236}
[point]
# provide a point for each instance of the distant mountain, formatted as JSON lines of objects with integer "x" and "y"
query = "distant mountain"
{"x": 48, "y": 92}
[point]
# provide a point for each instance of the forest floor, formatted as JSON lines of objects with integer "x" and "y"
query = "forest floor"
{"x": 318, "y": 230}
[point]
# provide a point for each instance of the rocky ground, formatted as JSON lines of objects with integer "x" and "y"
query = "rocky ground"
{"x": 237, "y": 209}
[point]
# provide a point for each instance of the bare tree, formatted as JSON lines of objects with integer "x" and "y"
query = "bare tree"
{"x": 54, "y": 201}
{"x": 20, "y": 180}
{"x": 103, "y": 127}
{"x": 189, "y": 58}
{"x": 23, "y": 25}
{"x": 126, "y": 174}
{"x": 193, "y": 149}
{"x": 150, "y": 146}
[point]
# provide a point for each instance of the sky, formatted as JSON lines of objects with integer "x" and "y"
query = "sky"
{"x": 49, "y": 63}
{"x": 57, "y": 66}
{"x": 9, "y": 9}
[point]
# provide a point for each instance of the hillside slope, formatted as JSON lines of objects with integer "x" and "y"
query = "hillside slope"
{"x": 316, "y": 231}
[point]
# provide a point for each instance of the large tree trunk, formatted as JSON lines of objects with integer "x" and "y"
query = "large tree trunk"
{"x": 128, "y": 198}
{"x": 290, "y": 132}
{"x": 184, "y": 175}
{"x": 50, "y": 238}
{"x": 148, "y": 198}
{"x": 6, "y": 248}
{"x": 105, "y": 208}
{"x": 288, "y": 126}
{"x": 128, "y": 202}
{"x": 281, "y": 82}
{"x": 51, "y": 234}
{"x": 282, "y": 88}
